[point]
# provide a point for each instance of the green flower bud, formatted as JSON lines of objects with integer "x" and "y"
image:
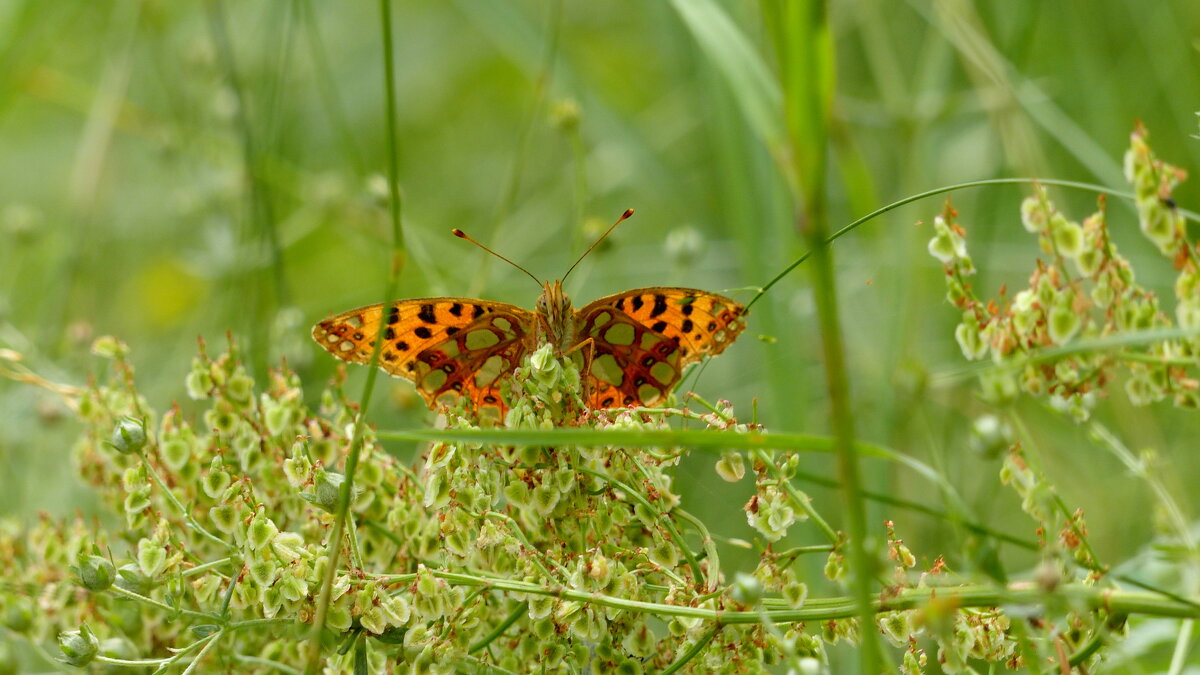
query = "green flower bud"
{"x": 894, "y": 626}
{"x": 540, "y": 607}
{"x": 640, "y": 641}
{"x": 970, "y": 339}
{"x": 663, "y": 553}
{"x": 199, "y": 382}
{"x": 240, "y": 387}
{"x": 1067, "y": 236}
{"x": 746, "y": 589}
{"x": 175, "y": 453}
{"x": 517, "y": 493}
{"x": 138, "y": 500}
{"x": 327, "y": 489}
{"x": 94, "y": 572}
{"x": 731, "y": 467}
{"x": 109, "y": 347}
{"x": 795, "y": 593}
{"x": 264, "y": 572}
{"x": 835, "y": 566}
{"x": 565, "y": 114}
{"x": 216, "y": 480}
{"x": 1033, "y": 213}
{"x": 79, "y": 647}
{"x": 151, "y": 558}
{"x": 129, "y": 435}
{"x": 261, "y": 532}
{"x": 130, "y": 578}
{"x": 1064, "y": 322}
{"x": 947, "y": 245}
{"x": 545, "y": 498}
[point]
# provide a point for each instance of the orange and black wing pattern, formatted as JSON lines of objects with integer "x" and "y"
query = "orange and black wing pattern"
{"x": 644, "y": 338}
{"x": 448, "y": 347}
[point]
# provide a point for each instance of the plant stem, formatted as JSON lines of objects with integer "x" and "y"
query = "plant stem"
{"x": 1114, "y": 601}
{"x": 183, "y": 511}
{"x": 667, "y": 522}
{"x": 801, "y": 500}
{"x": 512, "y": 618}
{"x": 396, "y": 263}
{"x": 691, "y": 653}
{"x": 1090, "y": 187}
{"x": 162, "y": 605}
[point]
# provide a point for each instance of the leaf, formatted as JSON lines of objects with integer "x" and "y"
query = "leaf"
{"x": 743, "y": 69}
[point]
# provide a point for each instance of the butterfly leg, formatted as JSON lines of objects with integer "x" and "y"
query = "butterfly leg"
{"x": 587, "y": 347}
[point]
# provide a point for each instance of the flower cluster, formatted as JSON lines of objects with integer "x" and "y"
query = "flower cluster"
{"x": 227, "y": 512}
{"x": 554, "y": 558}
{"x": 1083, "y": 317}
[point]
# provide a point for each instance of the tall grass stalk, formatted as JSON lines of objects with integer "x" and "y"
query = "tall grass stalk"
{"x": 804, "y": 48}
{"x": 395, "y": 265}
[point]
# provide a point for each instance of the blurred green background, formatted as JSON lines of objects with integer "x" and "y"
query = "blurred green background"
{"x": 171, "y": 170}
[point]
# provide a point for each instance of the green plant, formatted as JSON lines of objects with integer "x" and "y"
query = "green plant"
{"x": 558, "y": 543}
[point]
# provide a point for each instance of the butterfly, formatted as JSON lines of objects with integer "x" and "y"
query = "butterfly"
{"x": 636, "y": 344}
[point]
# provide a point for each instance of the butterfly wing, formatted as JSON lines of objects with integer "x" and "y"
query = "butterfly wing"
{"x": 644, "y": 338}
{"x": 448, "y": 347}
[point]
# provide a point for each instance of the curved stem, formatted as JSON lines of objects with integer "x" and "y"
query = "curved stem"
{"x": 942, "y": 190}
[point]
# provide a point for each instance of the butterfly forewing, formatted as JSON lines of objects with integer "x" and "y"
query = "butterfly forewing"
{"x": 636, "y": 344}
{"x": 448, "y": 347}
{"x": 644, "y": 338}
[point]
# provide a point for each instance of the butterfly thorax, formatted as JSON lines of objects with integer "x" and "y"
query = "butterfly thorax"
{"x": 557, "y": 316}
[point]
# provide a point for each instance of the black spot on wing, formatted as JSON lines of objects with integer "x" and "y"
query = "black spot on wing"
{"x": 456, "y": 309}
{"x": 422, "y": 332}
{"x": 426, "y": 314}
{"x": 402, "y": 346}
{"x": 452, "y": 330}
{"x": 476, "y": 311}
{"x": 637, "y": 302}
{"x": 687, "y": 326}
{"x": 660, "y": 305}
{"x": 659, "y": 327}
{"x": 393, "y": 315}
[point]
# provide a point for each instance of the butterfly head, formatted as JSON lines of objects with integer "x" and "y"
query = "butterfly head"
{"x": 554, "y": 307}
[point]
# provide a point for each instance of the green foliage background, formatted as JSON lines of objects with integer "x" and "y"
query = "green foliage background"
{"x": 174, "y": 169}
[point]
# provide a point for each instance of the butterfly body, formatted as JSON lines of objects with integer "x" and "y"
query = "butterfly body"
{"x": 636, "y": 343}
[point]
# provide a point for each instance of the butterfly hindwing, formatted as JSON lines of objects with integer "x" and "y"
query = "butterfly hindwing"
{"x": 644, "y": 338}
{"x": 448, "y": 347}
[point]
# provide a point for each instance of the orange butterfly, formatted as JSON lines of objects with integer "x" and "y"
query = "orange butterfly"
{"x": 640, "y": 341}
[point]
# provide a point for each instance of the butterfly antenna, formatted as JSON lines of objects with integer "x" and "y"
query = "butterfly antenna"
{"x": 463, "y": 235}
{"x": 624, "y": 216}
